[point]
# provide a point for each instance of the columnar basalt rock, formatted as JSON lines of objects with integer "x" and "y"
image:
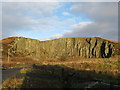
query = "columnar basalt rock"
{"x": 70, "y": 47}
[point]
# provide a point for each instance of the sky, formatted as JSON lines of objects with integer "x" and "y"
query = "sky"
{"x": 51, "y": 20}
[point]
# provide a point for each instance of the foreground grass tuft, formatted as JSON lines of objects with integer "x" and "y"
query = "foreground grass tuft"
{"x": 13, "y": 83}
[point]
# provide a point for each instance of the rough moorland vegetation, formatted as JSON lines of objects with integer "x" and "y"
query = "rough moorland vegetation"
{"x": 62, "y": 63}
{"x": 68, "y": 74}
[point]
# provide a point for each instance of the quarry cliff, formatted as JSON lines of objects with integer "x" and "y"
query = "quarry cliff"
{"x": 92, "y": 47}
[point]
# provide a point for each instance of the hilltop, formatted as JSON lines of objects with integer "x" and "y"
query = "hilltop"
{"x": 92, "y": 47}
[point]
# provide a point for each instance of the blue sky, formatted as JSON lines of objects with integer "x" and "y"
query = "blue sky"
{"x": 51, "y": 20}
{"x": 57, "y": 29}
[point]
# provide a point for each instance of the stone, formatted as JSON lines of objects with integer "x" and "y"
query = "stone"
{"x": 92, "y": 47}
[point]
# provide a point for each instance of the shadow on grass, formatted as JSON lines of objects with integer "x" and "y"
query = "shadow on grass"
{"x": 55, "y": 76}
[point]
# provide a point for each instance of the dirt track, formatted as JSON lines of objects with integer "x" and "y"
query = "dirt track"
{"x": 8, "y": 73}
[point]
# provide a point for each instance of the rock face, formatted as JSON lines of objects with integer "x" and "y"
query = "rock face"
{"x": 70, "y": 47}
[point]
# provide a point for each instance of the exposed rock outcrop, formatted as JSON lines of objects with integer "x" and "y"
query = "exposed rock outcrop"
{"x": 71, "y": 47}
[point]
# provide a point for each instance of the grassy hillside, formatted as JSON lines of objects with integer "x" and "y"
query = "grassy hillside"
{"x": 61, "y": 66}
{"x": 68, "y": 74}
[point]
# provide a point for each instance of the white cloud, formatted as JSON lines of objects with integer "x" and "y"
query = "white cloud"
{"x": 97, "y": 11}
{"x": 81, "y": 25}
{"x": 66, "y": 13}
{"x": 39, "y": 17}
{"x": 0, "y": 20}
{"x": 67, "y": 31}
{"x": 29, "y": 0}
{"x": 55, "y": 36}
{"x": 31, "y": 17}
{"x": 104, "y": 21}
{"x": 26, "y": 16}
{"x": 60, "y": 0}
{"x": 104, "y": 17}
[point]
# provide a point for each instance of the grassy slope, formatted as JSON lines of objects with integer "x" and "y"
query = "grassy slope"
{"x": 86, "y": 70}
{"x": 74, "y": 74}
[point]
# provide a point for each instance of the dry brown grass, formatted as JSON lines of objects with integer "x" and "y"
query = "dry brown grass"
{"x": 13, "y": 83}
{"x": 86, "y": 69}
{"x": 7, "y": 40}
{"x": 52, "y": 60}
{"x": 18, "y": 61}
{"x": 104, "y": 65}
